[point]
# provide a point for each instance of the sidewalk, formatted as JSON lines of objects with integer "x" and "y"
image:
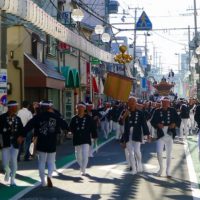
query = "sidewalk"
{"x": 193, "y": 147}
{"x": 27, "y": 175}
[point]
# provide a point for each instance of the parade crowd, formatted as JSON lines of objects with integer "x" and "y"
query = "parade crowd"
{"x": 34, "y": 131}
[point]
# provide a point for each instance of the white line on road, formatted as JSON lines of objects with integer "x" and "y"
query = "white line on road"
{"x": 192, "y": 174}
{"x": 28, "y": 189}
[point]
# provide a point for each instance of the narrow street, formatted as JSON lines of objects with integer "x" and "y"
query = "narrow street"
{"x": 109, "y": 178}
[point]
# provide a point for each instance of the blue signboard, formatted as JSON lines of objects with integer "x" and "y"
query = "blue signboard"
{"x": 143, "y": 23}
{"x": 143, "y": 61}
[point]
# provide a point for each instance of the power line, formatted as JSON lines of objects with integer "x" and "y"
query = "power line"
{"x": 162, "y": 29}
{"x": 170, "y": 39}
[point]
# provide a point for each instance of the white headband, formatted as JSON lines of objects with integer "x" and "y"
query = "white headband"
{"x": 81, "y": 104}
{"x": 46, "y": 104}
{"x": 89, "y": 104}
{"x": 12, "y": 104}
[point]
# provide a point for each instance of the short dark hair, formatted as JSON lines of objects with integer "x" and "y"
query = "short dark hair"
{"x": 11, "y": 104}
{"x": 25, "y": 104}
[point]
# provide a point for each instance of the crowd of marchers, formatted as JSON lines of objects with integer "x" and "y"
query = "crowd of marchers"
{"x": 132, "y": 122}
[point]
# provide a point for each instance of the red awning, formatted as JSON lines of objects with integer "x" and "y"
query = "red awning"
{"x": 39, "y": 75}
{"x": 94, "y": 85}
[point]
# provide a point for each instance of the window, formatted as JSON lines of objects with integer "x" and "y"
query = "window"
{"x": 34, "y": 46}
{"x": 51, "y": 46}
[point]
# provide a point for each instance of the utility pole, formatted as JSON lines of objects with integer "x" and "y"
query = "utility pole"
{"x": 3, "y": 59}
{"x": 191, "y": 79}
{"x": 3, "y": 40}
{"x": 196, "y": 45}
{"x": 135, "y": 38}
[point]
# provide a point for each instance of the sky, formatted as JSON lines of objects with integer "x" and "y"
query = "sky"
{"x": 164, "y": 15}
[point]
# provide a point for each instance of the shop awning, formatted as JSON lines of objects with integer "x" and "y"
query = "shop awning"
{"x": 76, "y": 78}
{"x": 71, "y": 76}
{"x": 95, "y": 85}
{"x": 37, "y": 74}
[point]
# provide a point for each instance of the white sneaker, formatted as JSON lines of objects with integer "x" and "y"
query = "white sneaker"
{"x": 91, "y": 155}
{"x": 55, "y": 173}
{"x": 43, "y": 184}
{"x": 159, "y": 173}
{"x": 140, "y": 168}
{"x": 133, "y": 172}
{"x": 12, "y": 182}
{"x": 83, "y": 173}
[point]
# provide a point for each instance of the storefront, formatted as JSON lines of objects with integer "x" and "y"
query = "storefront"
{"x": 41, "y": 82}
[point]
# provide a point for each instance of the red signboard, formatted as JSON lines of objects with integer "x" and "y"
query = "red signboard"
{"x": 88, "y": 77}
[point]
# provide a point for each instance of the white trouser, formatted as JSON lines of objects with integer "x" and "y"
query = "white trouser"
{"x": 116, "y": 128}
{"x": 9, "y": 160}
{"x": 127, "y": 157}
{"x": 108, "y": 130}
{"x": 184, "y": 128}
{"x": 44, "y": 158}
{"x": 134, "y": 149}
{"x": 199, "y": 140}
{"x": 121, "y": 128}
{"x": 92, "y": 147}
{"x": 104, "y": 128}
{"x": 82, "y": 154}
{"x": 110, "y": 125}
{"x": 166, "y": 141}
{"x": 191, "y": 121}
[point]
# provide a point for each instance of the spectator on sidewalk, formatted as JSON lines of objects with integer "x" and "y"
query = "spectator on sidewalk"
{"x": 25, "y": 115}
{"x": 83, "y": 129}
{"x": 46, "y": 126}
{"x": 11, "y": 129}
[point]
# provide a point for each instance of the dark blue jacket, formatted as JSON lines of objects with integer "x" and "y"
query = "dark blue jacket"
{"x": 165, "y": 117}
{"x": 10, "y": 129}
{"x": 46, "y": 127}
{"x": 136, "y": 120}
{"x": 83, "y": 129}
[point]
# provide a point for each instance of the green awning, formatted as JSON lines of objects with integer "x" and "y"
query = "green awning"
{"x": 71, "y": 76}
{"x": 76, "y": 77}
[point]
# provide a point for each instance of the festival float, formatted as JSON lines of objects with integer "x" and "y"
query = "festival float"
{"x": 164, "y": 88}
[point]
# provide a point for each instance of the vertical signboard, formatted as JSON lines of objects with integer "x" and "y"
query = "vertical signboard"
{"x": 88, "y": 77}
{"x": 3, "y": 89}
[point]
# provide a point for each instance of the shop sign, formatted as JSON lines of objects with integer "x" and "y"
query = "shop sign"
{"x": 95, "y": 61}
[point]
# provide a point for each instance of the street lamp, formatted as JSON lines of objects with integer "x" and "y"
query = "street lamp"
{"x": 78, "y": 15}
{"x": 105, "y": 37}
{"x": 99, "y": 29}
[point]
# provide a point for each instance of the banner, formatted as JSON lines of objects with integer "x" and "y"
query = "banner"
{"x": 117, "y": 86}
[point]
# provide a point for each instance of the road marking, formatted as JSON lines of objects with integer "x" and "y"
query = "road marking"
{"x": 60, "y": 170}
{"x": 192, "y": 174}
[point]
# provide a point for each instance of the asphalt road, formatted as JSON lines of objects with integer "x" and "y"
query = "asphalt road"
{"x": 109, "y": 178}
